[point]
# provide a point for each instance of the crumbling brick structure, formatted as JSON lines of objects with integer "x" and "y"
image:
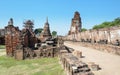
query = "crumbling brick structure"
{"x": 72, "y": 64}
{"x": 24, "y": 44}
{"x": 45, "y": 34}
{"x": 42, "y": 52}
{"x": 106, "y": 39}
{"x": 12, "y": 38}
{"x": 28, "y": 35}
{"x": 15, "y": 37}
{"x": 106, "y": 35}
{"x": 75, "y": 24}
{"x": 29, "y": 38}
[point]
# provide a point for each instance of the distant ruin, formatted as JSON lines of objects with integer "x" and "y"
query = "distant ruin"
{"x": 24, "y": 44}
{"x": 76, "y": 24}
{"x": 45, "y": 34}
{"x": 105, "y": 39}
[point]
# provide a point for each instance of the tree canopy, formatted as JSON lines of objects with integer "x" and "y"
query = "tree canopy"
{"x": 38, "y": 30}
{"x": 54, "y": 33}
{"x": 83, "y": 29}
{"x": 116, "y": 22}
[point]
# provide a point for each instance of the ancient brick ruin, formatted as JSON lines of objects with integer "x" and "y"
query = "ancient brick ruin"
{"x": 105, "y": 39}
{"x": 46, "y": 32}
{"x": 28, "y": 35}
{"x": 76, "y": 24}
{"x": 12, "y": 38}
{"x": 72, "y": 64}
{"x": 24, "y": 44}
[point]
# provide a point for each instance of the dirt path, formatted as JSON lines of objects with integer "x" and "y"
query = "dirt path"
{"x": 109, "y": 63}
{"x": 2, "y": 52}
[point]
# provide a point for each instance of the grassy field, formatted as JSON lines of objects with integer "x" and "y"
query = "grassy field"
{"x": 43, "y": 66}
{"x": 2, "y": 46}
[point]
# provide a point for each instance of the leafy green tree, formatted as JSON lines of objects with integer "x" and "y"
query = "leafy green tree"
{"x": 54, "y": 33}
{"x": 116, "y": 22}
{"x": 103, "y": 25}
{"x": 38, "y": 30}
{"x": 83, "y": 29}
{"x": 96, "y": 27}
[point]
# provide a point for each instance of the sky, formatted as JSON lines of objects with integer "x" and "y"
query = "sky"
{"x": 59, "y": 12}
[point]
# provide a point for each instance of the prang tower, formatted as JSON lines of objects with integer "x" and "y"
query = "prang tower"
{"x": 76, "y": 24}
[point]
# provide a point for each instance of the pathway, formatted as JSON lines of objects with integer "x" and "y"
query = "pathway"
{"x": 109, "y": 63}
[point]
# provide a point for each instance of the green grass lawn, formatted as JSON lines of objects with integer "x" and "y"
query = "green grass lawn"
{"x": 42, "y": 66}
{"x": 2, "y": 46}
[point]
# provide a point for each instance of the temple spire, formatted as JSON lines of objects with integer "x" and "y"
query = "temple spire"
{"x": 46, "y": 34}
{"x": 10, "y": 22}
{"x": 47, "y": 20}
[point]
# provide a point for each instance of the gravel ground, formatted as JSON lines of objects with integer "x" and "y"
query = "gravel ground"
{"x": 109, "y": 63}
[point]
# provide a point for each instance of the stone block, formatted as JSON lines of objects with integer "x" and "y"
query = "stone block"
{"x": 77, "y": 53}
{"x": 93, "y": 66}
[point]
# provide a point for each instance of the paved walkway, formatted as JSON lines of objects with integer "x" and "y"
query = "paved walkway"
{"x": 109, "y": 63}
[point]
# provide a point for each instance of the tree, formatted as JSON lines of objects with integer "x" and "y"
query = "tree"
{"x": 38, "y": 30}
{"x": 54, "y": 33}
{"x": 95, "y": 27}
{"x": 83, "y": 29}
{"x": 103, "y": 25}
{"x": 116, "y": 22}
{"x": 29, "y": 25}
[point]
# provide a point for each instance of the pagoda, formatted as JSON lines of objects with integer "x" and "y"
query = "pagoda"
{"x": 45, "y": 34}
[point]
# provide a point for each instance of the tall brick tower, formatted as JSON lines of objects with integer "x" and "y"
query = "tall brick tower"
{"x": 12, "y": 38}
{"x": 75, "y": 24}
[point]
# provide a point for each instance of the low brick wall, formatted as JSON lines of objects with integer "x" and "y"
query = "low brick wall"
{"x": 102, "y": 47}
{"x": 73, "y": 64}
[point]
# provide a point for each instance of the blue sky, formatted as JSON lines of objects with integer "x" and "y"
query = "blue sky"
{"x": 59, "y": 12}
